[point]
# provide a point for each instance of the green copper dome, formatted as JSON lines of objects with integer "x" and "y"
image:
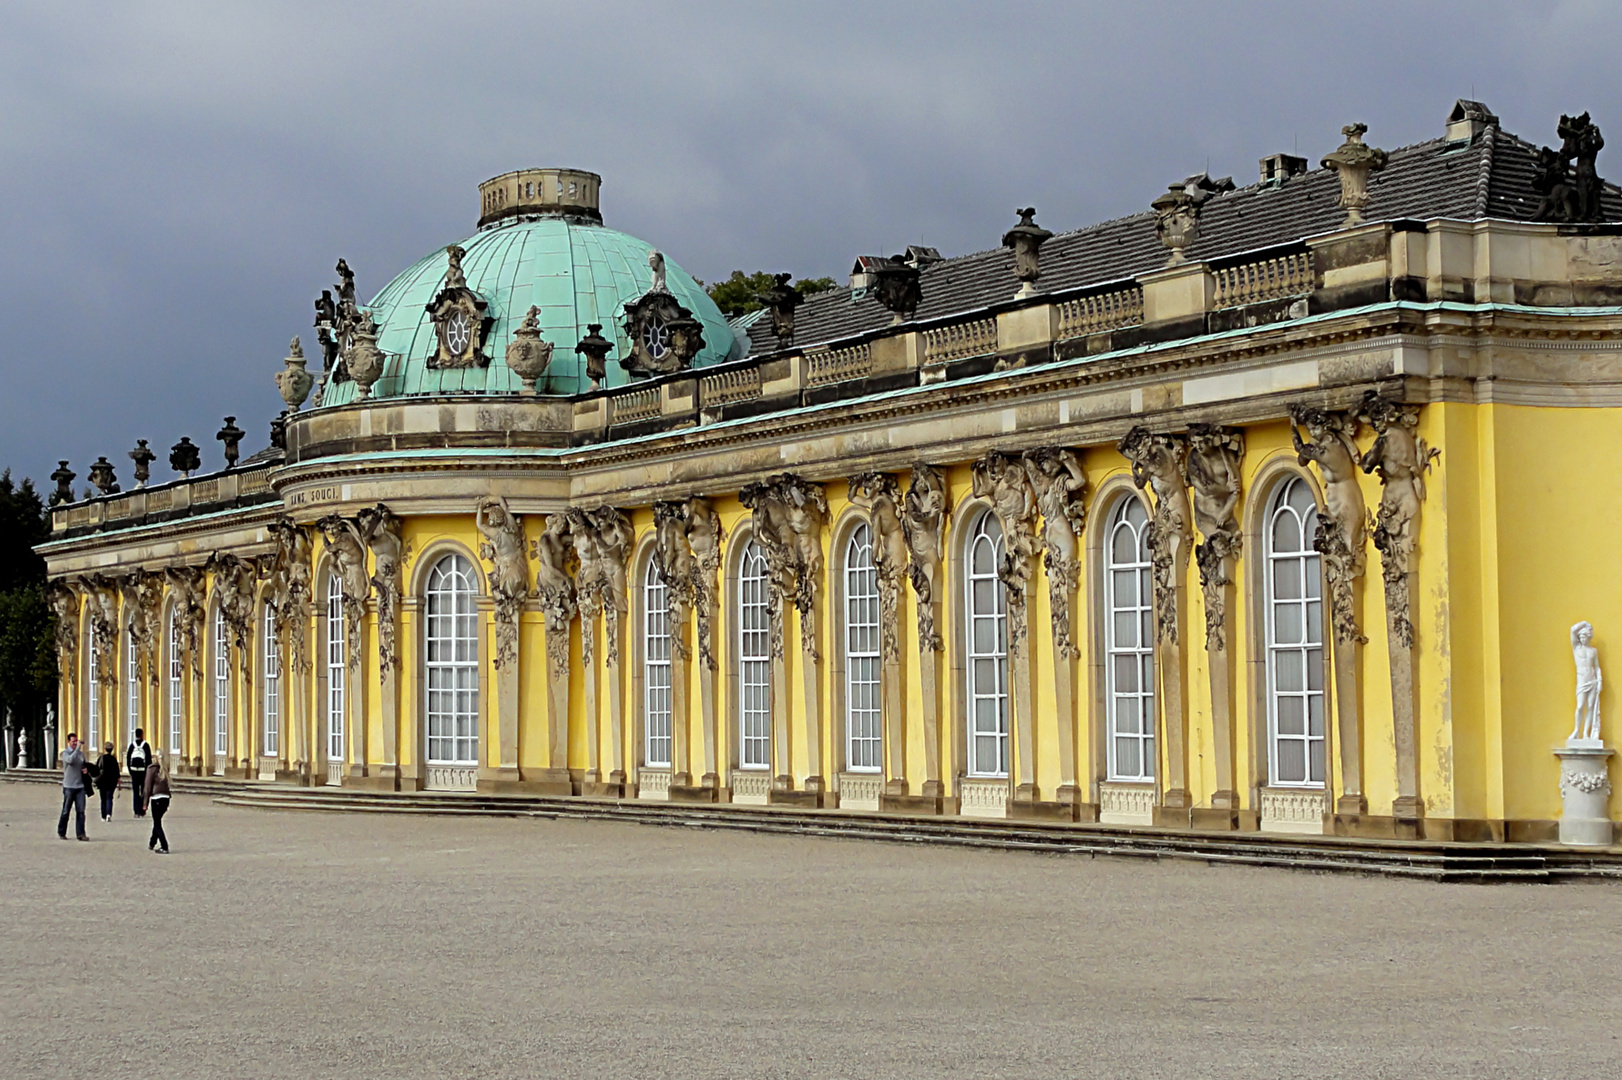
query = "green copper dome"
{"x": 575, "y": 271}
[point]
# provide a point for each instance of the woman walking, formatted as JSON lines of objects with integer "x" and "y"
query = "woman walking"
{"x": 107, "y": 781}
{"x": 157, "y": 802}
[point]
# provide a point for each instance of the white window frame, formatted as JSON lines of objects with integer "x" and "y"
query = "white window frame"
{"x": 451, "y": 662}
{"x": 754, "y": 660}
{"x": 656, "y": 671}
{"x": 864, "y": 715}
{"x": 1129, "y": 515}
{"x": 93, "y": 693}
{"x": 273, "y": 687}
{"x": 132, "y": 683}
{"x": 1305, "y": 568}
{"x": 222, "y": 685}
{"x": 177, "y": 672}
{"x": 335, "y": 668}
{"x": 986, "y": 678}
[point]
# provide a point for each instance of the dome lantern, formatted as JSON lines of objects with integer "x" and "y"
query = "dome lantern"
{"x": 540, "y": 192}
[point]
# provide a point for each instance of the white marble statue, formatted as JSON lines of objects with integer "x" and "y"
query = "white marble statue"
{"x": 656, "y": 263}
{"x": 1585, "y": 731}
{"x": 22, "y": 749}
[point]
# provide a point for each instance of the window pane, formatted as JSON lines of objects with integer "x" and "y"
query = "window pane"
{"x": 1290, "y": 717}
{"x": 1292, "y": 761}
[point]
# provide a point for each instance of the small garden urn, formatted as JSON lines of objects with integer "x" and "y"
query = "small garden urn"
{"x": 365, "y": 359}
{"x": 527, "y": 354}
{"x": 293, "y": 381}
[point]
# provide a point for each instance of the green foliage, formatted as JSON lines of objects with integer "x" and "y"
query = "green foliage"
{"x": 739, "y": 294}
{"x": 27, "y": 644}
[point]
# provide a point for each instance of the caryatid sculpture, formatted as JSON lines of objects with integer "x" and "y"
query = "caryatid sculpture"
{"x": 769, "y": 517}
{"x": 554, "y": 584}
{"x": 64, "y": 601}
{"x": 923, "y": 521}
{"x": 602, "y": 544}
{"x": 1585, "y": 729}
{"x": 1001, "y": 478}
{"x": 506, "y": 549}
{"x": 704, "y": 536}
{"x": 235, "y": 580}
{"x": 186, "y": 586}
{"x": 1402, "y": 459}
{"x": 382, "y": 530}
{"x": 1342, "y": 526}
{"x": 1061, "y": 492}
{"x": 349, "y": 553}
{"x": 290, "y": 589}
{"x": 1213, "y": 474}
{"x": 789, "y": 515}
{"x": 673, "y": 563}
{"x": 880, "y": 495}
{"x": 1159, "y": 462}
{"x": 103, "y": 594}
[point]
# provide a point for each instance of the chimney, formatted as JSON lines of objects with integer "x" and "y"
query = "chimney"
{"x": 1277, "y": 168}
{"x": 1468, "y": 120}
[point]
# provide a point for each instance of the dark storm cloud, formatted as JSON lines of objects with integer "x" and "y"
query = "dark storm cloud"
{"x": 178, "y": 179}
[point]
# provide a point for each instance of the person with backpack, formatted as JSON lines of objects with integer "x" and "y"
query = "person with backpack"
{"x": 157, "y": 797}
{"x": 135, "y": 760}
{"x": 75, "y": 780}
{"x": 107, "y": 777}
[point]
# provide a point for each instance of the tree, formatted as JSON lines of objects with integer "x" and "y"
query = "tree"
{"x": 739, "y": 294}
{"x": 27, "y": 631}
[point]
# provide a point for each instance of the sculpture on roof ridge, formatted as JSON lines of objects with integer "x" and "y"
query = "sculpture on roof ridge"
{"x": 143, "y": 457}
{"x": 896, "y": 286}
{"x": 364, "y": 361}
{"x": 101, "y": 474}
{"x": 656, "y": 264}
{"x": 63, "y": 478}
{"x": 1177, "y": 212}
{"x": 595, "y": 348}
{"x": 1569, "y": 189}
{"x": 1353, "y": 161}
{"x": 782, "y": 298}
{"x": 1026, "y": 240}
{"x": 184, "y": 457}
{"x": 232, "y": 437}
{"x": 458, "y": 314}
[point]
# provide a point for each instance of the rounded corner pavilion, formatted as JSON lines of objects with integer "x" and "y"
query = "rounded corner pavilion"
{"x": 1076, "y": 528}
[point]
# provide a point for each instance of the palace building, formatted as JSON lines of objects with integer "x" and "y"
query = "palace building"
{"x": 1263, "y": 509}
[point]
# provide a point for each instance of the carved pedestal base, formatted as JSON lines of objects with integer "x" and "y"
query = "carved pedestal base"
{"x": 1585, "y": 791}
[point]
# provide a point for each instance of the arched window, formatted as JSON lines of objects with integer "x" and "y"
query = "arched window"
{"x": 92, "y": 697}
{"x": 754, "y": 661}
{"x": 1129, "y": 639}
{"x": 864, "y": 751}
{"x": 655, "y": 669}
{"x": 273, "y": 686}
{"x": 452, "y": 659}
{"x": 988, "y": 650}
{"x": 132, "y": 684}
{"x": 222, "y": 686}
{"x": 1295, "y": 651}
{"x": 176, "y": 683}
{"x": 335, "y": 668}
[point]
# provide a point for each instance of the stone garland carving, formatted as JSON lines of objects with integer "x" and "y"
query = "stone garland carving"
{"x": 923, "y": 521}
{"x": 291, "y": 589}
{"x": 1585, "y": 782}
{"x": 1213, "y": 474}
{"x": 1342, "y": 527}
{"x": 186, "y": 585}
{"x": 554, "y": 584}
{"x": 381, "y": 528}
{"x": 1061, "y": 492}
{"x": 1159, "y": 462}
{"x": 64, "y": 600}
{"x": 602, "y": 545}
{"x": 349, "y": 554}
{"x": 1402, "y": 459}
{"x": 880, "y": 495}
{"x": 1001, "y": 478}
{"x": 507, "y": 551}
{"x": 789, "y": 515}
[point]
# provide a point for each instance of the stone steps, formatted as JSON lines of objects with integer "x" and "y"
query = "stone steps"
{"x": 1423, "y": 860}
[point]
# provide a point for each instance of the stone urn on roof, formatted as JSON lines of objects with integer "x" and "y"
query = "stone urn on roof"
{"x": 528, "y": 355}
{"x": 1353, "y": 161}
{"x": 1026, "y": 240}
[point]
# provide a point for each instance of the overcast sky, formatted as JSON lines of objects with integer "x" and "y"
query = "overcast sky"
{"x": 178, "y": 179}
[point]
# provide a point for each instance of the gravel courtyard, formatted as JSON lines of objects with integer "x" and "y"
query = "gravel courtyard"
{"x": 289, "y": 944}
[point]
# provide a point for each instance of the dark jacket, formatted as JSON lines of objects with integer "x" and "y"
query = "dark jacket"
{"x": 157, "y": 781}
{"x": 107, "y": 773}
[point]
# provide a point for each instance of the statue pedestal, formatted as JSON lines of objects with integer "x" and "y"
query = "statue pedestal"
{"x": 1585, "y": 790}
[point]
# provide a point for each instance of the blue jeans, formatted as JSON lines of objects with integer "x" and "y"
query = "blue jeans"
{"x": 107, "y": 801}
{"x": 72, "y": 799}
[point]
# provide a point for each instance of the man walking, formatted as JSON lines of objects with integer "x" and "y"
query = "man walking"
{"x": 73, "y": 785}
{"x": 135, "y": 760}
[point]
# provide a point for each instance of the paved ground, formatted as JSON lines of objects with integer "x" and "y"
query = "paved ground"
{"x": 287, "y": 944}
